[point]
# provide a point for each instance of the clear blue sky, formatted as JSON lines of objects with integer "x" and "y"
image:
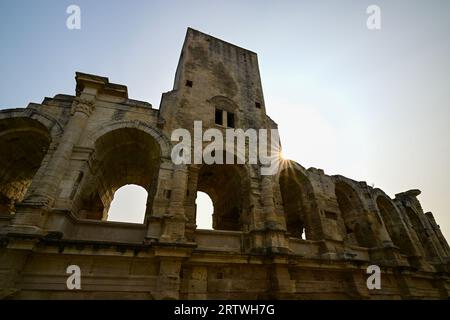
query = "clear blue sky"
{"x": 371, "y": 105}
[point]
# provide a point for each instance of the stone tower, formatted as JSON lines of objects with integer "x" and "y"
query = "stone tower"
{"x": 297, "y": 234}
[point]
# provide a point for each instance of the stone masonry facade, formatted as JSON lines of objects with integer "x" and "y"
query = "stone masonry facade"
{"x": 298, "y": 234}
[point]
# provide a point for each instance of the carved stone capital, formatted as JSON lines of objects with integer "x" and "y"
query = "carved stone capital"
{"x": 83, "y": 105}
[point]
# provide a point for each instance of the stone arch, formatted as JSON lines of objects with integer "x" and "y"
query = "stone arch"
{"x": 24, "y": 142}
{"x": 228, "y": 186}
{"x": 162, "y": 140}
{"x": 358, "y": 229}
{"x": 53, "y": 126}
{"x": 299, "y": 203}
{"x": 417, "y": 226}
{"x": 225, "y": 102}
{"x": 394, "y": 224}
{"x": 124, "y": 155}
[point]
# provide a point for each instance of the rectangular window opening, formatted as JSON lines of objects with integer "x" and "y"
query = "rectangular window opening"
{"x": 167, "y": 193}
{"x": 331, "y": 215}
{"x": 189, "y": 83}
{"x": 230, "y": 120}
{"x": 219, "y": 117}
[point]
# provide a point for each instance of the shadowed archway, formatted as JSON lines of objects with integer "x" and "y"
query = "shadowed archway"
{"x": 395, "y": 226}
{"x": 228, "y": 188}
{"x": 23, "y": 145}
{"x": 358, "y": 229}
{"x": 302, "y": 217}
{"x": 122, "y": 156}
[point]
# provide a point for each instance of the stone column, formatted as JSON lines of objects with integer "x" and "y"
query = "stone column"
{"x": 46, "y": 191}
{"x": 274, "y": 230}
{"x": 197, "y": 284}
{"x": 405, "y": 284}
{"x": 358, "y": 284}
{"x": 175, "y": 219}
{"x": 189, "y": 204}
{"x": 282, "y": 286}
{"x": 168, "y": 283}
{"x": 268, "y": 203}
{"x": 13, "y": 259}
{"x": 160, "y": 202}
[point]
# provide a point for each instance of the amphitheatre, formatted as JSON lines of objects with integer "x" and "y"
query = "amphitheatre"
{"x": 297, "y": 234}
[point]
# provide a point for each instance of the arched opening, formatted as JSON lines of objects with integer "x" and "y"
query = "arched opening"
{"x": 394, "y": 225}
{"x": 23, "y": 144}
{"x": 421, "y": 234}
{"x": 205, "y": 211}
{"x": 129, "y": 204}
{"x": 299, "y": 205}
{"x": 358, "y": 229}
{"x": 227, "y": 185}
{"x": 121, "y": 157}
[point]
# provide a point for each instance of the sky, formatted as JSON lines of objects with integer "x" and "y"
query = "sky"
{"x": 372, "y": 105}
